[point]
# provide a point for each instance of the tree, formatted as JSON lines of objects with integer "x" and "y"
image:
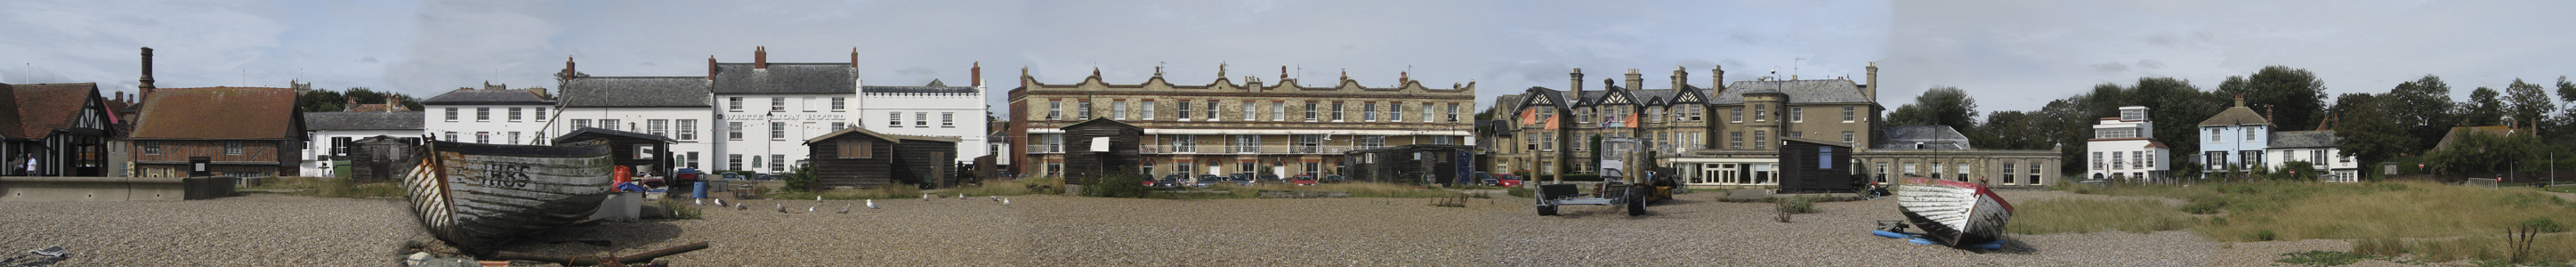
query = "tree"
{"x": 2423, "y": 108}
{"x": 2483, "y": 109}
{"x": 323, "y": 100}
{"x": 2365, "y": 137}
{"x": 2528, "y": 103}
{"x": 2481, "y": 151}
{"x": 1939, "y": 106}
{"x": 2291, "y": 97}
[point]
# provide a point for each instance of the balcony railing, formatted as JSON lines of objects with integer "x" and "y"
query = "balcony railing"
{"x": 1223, "y": 149}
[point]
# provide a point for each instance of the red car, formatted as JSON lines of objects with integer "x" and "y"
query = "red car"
{"x": 1507, "y": 180}
{"x": 1302, "y": 179}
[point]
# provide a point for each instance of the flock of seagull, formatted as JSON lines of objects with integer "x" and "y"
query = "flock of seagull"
{"x": 818, "y": 200}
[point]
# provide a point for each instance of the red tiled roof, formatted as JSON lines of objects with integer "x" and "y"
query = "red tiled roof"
{"x": 43, "y": 108}
{"x": 217, "y": 113}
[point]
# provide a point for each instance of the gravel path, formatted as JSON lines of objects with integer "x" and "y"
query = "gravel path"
{"x": 1057, "y": 231}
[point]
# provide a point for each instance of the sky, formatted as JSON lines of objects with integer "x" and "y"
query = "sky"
{"x": 2008, "y": 54}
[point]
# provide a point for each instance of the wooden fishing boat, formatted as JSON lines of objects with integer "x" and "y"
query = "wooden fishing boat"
{"x": 1953, "y": 213}
{"x": 478, "y": 197}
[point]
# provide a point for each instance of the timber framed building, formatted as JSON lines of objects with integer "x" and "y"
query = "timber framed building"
{"x": 1226, "y": 127}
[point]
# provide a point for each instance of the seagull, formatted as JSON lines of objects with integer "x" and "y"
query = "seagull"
{"x": 995, "y": 198}
{"x": 845, "y": 208}
{"x": 1006, "y": 202}
{"x": 961, "y": 195}
{"x": 925, "y": 196}
{"x": 810, "y": 209}
{"x": 818, "y": 198}
{"x": 782, "y": 207}
{"x": 740, "y": 206}
{"x": 699, "y": 201}
{"x": 720, "y": 203}
{"x": 872, "y": 204}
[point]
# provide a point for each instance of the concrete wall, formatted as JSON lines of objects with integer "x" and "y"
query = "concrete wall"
{"x": 22, "y": 188}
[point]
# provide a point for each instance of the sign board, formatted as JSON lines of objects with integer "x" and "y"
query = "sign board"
{"x": 1100, "y": 144}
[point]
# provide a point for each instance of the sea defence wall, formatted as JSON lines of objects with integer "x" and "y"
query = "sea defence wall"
{"x": 47, "y": 188}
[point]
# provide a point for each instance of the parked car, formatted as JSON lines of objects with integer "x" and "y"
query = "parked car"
{"x": 1243, "y": 180}
{"x": 1208, "y": 179}
{"x": 1272, "y": 178}
{"x": 1170, "y": 181}
{"x": 733, "y": 176}
{"x": 765, "y": 177}
{"x": 1507, "y": 180}
{"x": 1484, "y": 178}
{"x": 1302, "y": 180}
{"x": 1335, "y": 178}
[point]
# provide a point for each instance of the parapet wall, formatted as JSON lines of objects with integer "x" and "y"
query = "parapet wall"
{"x": 39, "y": 188}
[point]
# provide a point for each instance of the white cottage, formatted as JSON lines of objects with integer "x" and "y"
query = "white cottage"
{"x": 2125, "y": 148}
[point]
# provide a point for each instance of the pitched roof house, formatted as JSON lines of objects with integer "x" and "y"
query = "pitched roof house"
{"x": 62, "y": 127}
{"x": 236, "y": 131}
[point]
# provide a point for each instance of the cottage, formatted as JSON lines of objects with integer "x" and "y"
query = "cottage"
{"x": 865, "y": 159}
{"x": 1816, "y": 166}
{"x": 229, "y": 131}
{"x": 1411, "y": 164}
{"x": 63, "y": 127}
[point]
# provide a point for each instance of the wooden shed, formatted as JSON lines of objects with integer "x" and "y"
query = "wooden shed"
{"x": 1815, "y": 166}
{"x": 1410, "y": 164}
{"x": 382, "y": 158}
{"x": 1086, "y": 159}
{"x": 644, "y": 153}
{"x": 863, "y": 159}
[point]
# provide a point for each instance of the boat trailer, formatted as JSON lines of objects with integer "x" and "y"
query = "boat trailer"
{"x": 1631, "y": 196}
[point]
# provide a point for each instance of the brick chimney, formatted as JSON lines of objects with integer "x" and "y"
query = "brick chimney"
{"x": 1635, "y": 79}
{"x": 568, "y": 69}
{"x": 146, "y": 88}
{"x": 760, "y": 58}
{"x": 854, "y": 57}
{"x": 1872, "y": 90}
{"x": 1717, "y": 80}
{"x": 978, "y": 73}
{"x": 711, "y": 67}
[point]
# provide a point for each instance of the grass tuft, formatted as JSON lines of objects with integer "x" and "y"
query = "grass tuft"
{"x": 2325, "y": 258}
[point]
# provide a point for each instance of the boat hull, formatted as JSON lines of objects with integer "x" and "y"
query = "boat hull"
{"x": 480, "y": 196}
{"x": 1953, "y": 213}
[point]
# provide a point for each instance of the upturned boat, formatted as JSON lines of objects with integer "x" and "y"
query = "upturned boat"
{"x": 1953, "y": 213}
{"x": 478, "y": 197}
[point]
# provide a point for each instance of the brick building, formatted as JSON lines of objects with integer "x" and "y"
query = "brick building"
{"x": 1226, "y": 127}
{"x": 237, "y": 131}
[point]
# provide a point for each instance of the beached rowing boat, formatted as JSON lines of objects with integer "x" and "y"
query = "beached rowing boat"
{"x": 1953, "y": 213}
{"x": 480, "y": 196}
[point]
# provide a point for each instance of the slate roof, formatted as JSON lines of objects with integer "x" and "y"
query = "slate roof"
{"x": 43, "y": 108}
{"x": 785, "y": 78}
{"x": 1903, "y": 137}
{"x": 1799, "y": 91}
{"x": 636, "y": 92}
{"x": 933, "y": 87}
{"x": 2237, "y": 115}
{"x": 218, "y": 113}
{"x": 404, "y": 120}
{"x": 469, "y": 96}
{"x": 2304, "y": 139}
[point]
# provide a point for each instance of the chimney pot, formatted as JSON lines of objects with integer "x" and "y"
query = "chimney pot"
{"x": 711, "y": 67}
{"x": 760, "y": 57}
{"x": 978, "y": 72}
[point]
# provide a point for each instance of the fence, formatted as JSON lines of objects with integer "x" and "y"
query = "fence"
{"x": 2482, "y": 182}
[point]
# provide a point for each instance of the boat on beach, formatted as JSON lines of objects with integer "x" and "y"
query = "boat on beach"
{"x": 1953, "y": 213}
{"x": 477, "y": 197}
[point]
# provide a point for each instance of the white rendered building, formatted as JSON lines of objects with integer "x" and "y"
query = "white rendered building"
{"x": 2125, "y": 148}
{"x": 768, "y": 110}
{"x": 2317, "y": 148}
{"x": 674, "y": 107}
{"x": 488, "y": 116}
{"x": 330, "y": 133}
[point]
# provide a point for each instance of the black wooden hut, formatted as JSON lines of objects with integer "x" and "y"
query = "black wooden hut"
{"x": 1815, "y": 166}
{"x": 1085, "y": 161}
{"x": 382, "y": 158}
{"x": 646, "y": 154}
{"x": 863, "y": 159}
{"x": 1410, "y": 164}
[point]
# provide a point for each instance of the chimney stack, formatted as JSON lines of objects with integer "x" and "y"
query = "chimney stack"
{"x": 1717, "y": 81}
{"x": 1635, "y": 79}
{"x": 1681, "y": 79}
{"x": 760, "y": 58}
{"x": 2240, "y": 100}
{"x": 854, "y": 57}
{"x": 711, "y": 67}
{"x": 146, "y": 88}
{"x": 1872, "y": 90}
{"x": 1575, "y": 83}
{"x": 978, "y": 73}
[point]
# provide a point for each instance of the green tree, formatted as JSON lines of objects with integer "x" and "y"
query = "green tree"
{"x": 2423, "y": 108}
{"x": 2365, "y": 137}
{"x": 2481, "y": 151}
{"x": 2483, "y": 109}
{"x": 2527, "y": 102}
{"x": 2296, "y": 171}
{"x": 1938, "y": 106}
{"x": 2292, "y": 97}
{"x": 322, "y": 100}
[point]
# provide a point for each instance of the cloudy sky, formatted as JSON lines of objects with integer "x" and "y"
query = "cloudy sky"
{"x": 2010, "y": 55}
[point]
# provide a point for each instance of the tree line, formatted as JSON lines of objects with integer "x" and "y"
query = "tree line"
{"x": 326, "y": 100}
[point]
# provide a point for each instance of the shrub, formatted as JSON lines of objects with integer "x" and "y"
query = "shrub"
{"x": 683, "y": 212}
{"x": 1119, "y": 186}
{"x": 2264, "y": 235}
{"x": 2380, "y": 246}
{"x": 802, "y": 180}
{"x": 1518, "y": 191}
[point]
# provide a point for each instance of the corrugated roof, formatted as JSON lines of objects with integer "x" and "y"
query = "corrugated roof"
{"x": 637, "y": 92}
{"x": 403, "y": 120}
{"x": 464, "y": 96}
{"x": 2237, "y": 115}
{"x": 218, "y": 113}
{"x": 43, "y": 108}
{"x": 1799, "y": 91}
{"x": 785, "y": 78}
{"x": 1904, "y": 137}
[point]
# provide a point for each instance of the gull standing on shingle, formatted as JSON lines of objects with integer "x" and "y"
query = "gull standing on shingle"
{"x": 720, "y": 203}
{"x": 782, "y": 207}
{"x": 925, "y": 196}
{"x": 872, "y": 204}
{"x": 1006, "y": 202}
{"x": 698, "y": 201}
{"x": 961, "y": 196}
{"x": 845, "y": 208}
{"x": 995, "y": 198}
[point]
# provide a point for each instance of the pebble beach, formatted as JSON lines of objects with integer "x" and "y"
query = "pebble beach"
{"x": 1692, "y": 230}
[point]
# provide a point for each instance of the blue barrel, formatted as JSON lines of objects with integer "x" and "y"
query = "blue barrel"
{"x": 699, "y": 190}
